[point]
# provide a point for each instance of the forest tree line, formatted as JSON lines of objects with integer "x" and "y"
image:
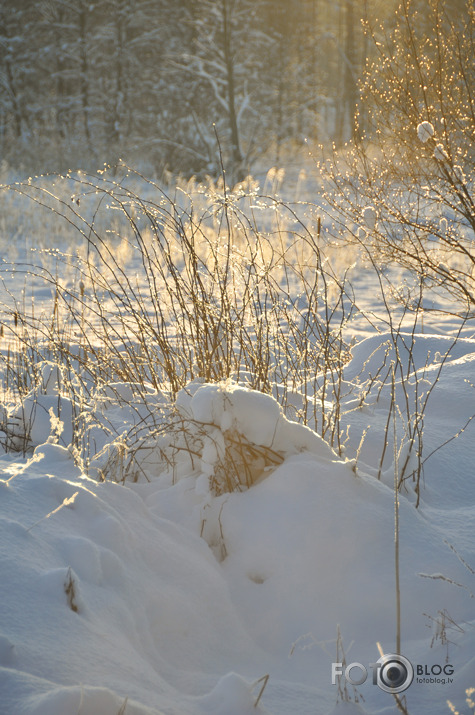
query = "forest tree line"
{"x": 165, "y": 83}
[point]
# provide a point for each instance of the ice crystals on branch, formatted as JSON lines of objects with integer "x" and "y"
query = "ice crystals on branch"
{"x": 459, "y": 175}
{"x": 440, "y": 153}
{"x": 425, "y": 130}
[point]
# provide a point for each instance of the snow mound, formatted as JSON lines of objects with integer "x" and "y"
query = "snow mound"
{"x": 257, "y": 417}
{"x": 239, "y": 554}
{"x": 39, "y": 417}
{"x": 97, "y": 590}
{"x": 412, "y": 352}
{"x": 240, "y": 434}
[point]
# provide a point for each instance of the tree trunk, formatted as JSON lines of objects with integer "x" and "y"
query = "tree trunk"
{"x": 237, "y": 160}
{"x": 350, "y": 89}
{"x": 84, "y": 68}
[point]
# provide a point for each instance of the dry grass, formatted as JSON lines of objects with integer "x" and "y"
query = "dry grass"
{"x": 209, "y": 283}
{"x": 158, "y": 289}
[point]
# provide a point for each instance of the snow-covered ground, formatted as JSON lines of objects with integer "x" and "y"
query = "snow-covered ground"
{"x": 174, "y": 595}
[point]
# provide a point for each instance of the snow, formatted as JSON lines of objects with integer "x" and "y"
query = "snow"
{"x": 160, "y": 620}
{"x": 180, "y": 593}
{"x": 440, "y": 152}
{"x": 425, "y": 130}
{"x": 254, "y": 415}
{"x": 370, "y": 217}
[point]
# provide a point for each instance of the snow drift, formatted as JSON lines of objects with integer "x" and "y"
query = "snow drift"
{"x": 176, "y": 595}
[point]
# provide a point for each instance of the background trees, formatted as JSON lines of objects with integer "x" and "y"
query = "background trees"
{"x": 154, "y": 81}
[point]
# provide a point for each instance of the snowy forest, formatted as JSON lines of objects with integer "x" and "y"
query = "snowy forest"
{"x": 237, "y": 357}
{"x": 149, "y": 78}
{"x": 162, "y": 80}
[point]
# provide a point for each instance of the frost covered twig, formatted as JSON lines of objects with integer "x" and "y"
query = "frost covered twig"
{"x": 441, "y": 577}
{"x": 66, "y": 502}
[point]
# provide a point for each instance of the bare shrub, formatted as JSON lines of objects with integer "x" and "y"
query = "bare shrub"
{"x": 405, "y": 189}
{"x": 210, "y": 283}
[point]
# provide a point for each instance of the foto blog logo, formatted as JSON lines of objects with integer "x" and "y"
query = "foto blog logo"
{"x": 392, "y": 673}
